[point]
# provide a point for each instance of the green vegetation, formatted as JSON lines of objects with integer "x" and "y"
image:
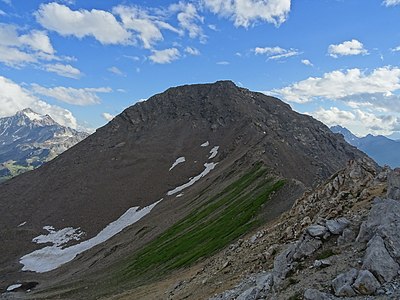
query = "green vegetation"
{"x": 325, "y": 254}
{"x": 223, "y": 218}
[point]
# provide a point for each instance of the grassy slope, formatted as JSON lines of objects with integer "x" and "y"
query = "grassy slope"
{"x": 225, "y": 217}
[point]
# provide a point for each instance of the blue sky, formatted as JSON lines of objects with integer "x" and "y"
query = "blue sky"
{"x": 83, "y": 62}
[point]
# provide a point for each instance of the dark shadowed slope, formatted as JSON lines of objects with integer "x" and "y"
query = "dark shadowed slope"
{"x": 221, "y": 130}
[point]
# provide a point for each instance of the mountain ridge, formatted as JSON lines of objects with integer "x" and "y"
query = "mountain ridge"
{"x": 137, "y": 149}
{"x": 382, "y": 149}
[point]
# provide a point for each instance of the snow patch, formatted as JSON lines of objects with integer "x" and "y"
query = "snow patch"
{"x": 213, "y": 152}
{"x": 179, "y": 195}
{"x": 178, "y": 161}
{"x": 33, "y": 116}
{"x": 52, "y": 257}
{"x": 208, "y": 168}
{"x": 14, "y": 287}
{"x": 22, "y": 224}
{"x": 205, "y": 144}
{"x": 60, "y": 237}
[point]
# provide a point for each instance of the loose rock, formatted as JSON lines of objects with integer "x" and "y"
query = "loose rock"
{"x": 366, "y": 283}
{"x": 342, "y": 283}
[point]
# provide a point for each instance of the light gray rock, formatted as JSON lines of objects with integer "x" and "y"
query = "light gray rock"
{"x": 264, "y": 282}
{"x": 316, "y": 230}
{"x": 313, "y": 294}
{"x": 323, "y": 263}
{"x": 305, "y": 247}
{"x": 337, "y": 226}
{"x": 347, "y": 237}
{"x": 366, "y": 283}
{"x": 342, "y": 283}
{"x": 249, "y": 294}
{"x": 394, "y": 184}
{"x": 283, "y": 263}
{"x": 378, "y": 260}
{"x": 384, "y": 220}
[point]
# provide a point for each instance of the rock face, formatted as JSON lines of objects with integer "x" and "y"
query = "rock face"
{"x": 220, "y": 129}
{"x": 28, "y": 139}
{"x": 346, "y": 266}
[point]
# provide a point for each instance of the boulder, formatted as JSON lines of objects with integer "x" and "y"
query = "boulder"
{"x": 378, "y": 260}
{"x": 313, "y": 294}
{"x": 384, "y": 220}
{"x": 343, "y": 282}
{"x": 347, "y": 237}
{"x": 366, "y": 283}
{"x": 394, "y": 184}
{"x": 337, "y": 226}
{"x": 316, "y": 230}
{"x": 305, "y": 247}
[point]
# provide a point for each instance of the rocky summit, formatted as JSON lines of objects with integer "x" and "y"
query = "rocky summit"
{"x": 183, "y": 196}
{"x": 28, "y": 139}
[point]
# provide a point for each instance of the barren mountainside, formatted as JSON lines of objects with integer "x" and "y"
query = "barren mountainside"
{"x": 168, "y": 173}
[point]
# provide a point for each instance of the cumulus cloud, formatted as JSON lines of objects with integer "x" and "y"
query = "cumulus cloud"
{"x": 353, "y": 47}
{"x": 14, "y": 98}
{"x": 107, "y": 116}
{"x": 63, "y": 70}
{"x": 192, "y": 51}
{"x": 341, "y": 84}
{"x": 165, "y": 56}
{"x": 138, "y": 20}
{"x": 276, "y": 53}
{"x": 188, "y": 18}
{"x": 391, "y": 2}
{"x": 82, "y": 97}
{"x": 306, "y": 62}
{"x": 101, "y": 25}
{"x": 358, "y": 121}
{"x": 246, "y": 12}
{"x": 19, "y": 49}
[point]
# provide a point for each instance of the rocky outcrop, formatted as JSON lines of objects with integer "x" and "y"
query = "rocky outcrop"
{"x": 360, "y": 265}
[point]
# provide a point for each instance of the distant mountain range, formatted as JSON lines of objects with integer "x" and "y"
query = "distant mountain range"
{"x": 382, "y": 149}
{"x": 28, "y": 139}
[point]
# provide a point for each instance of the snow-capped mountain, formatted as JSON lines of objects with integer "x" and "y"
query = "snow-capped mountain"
{"x": 28, "y": 139}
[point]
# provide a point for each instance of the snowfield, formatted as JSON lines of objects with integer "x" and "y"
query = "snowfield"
{"x": 52, "y": 257}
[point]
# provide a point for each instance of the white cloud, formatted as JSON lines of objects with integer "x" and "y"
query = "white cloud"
{"x": 2, "y": 13}
{"x": 340, "y": 84}
{"x": 353, "y": 47}
{"x": 396, "y": 49}
{"x": 37, "y": 40}
{"x": 223, "y": 63}
{"x": 276, "y": 53}
{"x": 82, "y": 97}
{"x": 391, "y": 2}
{"x": 164, "y": 56}
{"x": 19, "y": 49}
{"x": 14, "y": 98}
{"x": 192, "y": 51}
{"x": 63, "y": 70}
{"x": 358, "y": 121}
{"x": 107, "y": 116}
{"x": 306, "y": 62}
{"x": 102, "y": 25}
{"x": 116, "y": 71}
{"x": 188, "y": 18}
{"x": 138, "y": 20}
{"x": 247, "y": 12}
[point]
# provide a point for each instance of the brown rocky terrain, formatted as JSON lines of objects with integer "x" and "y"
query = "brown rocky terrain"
{"x": 130, "y": 163}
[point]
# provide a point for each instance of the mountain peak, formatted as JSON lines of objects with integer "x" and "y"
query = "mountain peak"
{"x": 35, "y": 117}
